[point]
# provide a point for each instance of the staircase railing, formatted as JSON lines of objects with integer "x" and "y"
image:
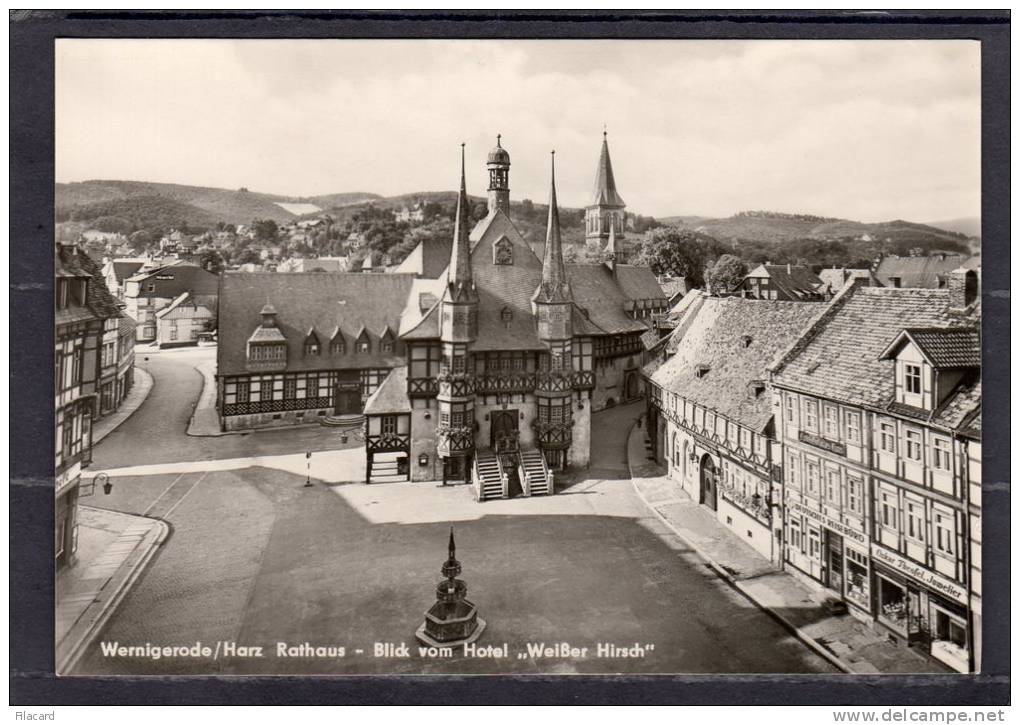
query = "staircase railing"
{"x": 524, "y": 476}
{"x": 476, "y": 480}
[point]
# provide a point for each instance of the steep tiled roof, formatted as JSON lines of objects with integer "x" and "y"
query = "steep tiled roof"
{"x": 735, "y": 338}
{"x": 429, "y": 259}
{"x": 840, "y": 356}
{"x": 320, "y": 300}
{"x": 930, "y": 272}
{"x": 599, "y": 294}
{"x": 605, "y": 183}
{"x": 391, "y": 395}
{"x": 73, "y": 261}
{"x": 945, "y": 347}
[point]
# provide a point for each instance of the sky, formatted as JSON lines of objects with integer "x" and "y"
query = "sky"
{"x": 866, "y": 130}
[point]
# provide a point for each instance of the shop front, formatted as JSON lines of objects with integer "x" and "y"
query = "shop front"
{"x": 922, "y": 608}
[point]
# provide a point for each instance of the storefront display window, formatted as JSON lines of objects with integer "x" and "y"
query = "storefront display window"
{"x": 949, "y": 644}
{"x": 892, "y": 603}
{"x": 857, "y": 577}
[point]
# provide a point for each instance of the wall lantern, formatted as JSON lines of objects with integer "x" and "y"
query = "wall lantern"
{"x": 423, "y": 460}
{"x": 693, "y": 457}
{"x": 522, "y": 415}
{"x": 428, "y": 415}
{"x": 580, "y": 405}
{"x": 486, "y": 416}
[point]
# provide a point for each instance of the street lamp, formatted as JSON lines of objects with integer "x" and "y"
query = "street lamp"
{"x": 308, "y": 469}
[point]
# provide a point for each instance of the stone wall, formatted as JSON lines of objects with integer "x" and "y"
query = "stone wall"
{"x": 281, "y": 419}
{"x": 423, "y": 440}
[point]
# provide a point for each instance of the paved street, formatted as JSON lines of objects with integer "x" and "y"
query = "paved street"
{"x": 256, "y": 558}
{"x": 156, "y": 432}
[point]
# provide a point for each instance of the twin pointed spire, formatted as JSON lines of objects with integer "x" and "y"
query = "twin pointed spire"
{"x": 555, "y": 287}
{"x": 458, "y": 276}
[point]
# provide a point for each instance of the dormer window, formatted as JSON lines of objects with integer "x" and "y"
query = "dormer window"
{"x": 363, "y": 346}
{"x": 506, "y": 316}
{"x": 312, "y": 346}
{"x": 745, "y": 341}
{"x": 700, "y": 371}
{"x": 386, "y": 342}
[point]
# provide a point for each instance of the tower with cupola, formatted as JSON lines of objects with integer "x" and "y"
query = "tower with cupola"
{"x": 498, "y": 165}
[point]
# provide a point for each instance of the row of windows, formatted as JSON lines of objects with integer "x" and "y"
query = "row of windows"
{"x": 362, "y": 346}
{"x": 425, "y": 360}
{"x": 911, "y": 516}
{"x": 261, "y": 388}
{"x": 888, "y": 440}
{"x": 825, "y": 484}
{"x": 696, "y": 416}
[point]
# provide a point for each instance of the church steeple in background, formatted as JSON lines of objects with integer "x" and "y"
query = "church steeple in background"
{"x": 607, "y": 209}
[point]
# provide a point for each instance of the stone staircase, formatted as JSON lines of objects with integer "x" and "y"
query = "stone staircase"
{"x": 488, "y": 476}
{"x": 537, "y": 479}
{"x": 385, "y": 469}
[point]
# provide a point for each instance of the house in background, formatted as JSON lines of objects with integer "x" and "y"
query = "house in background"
{"x": 930, "y": 272}
{"x": 789, "y": 282}
{"x": 149, "y": 291}
{"x": 833, "y": 280}
{"x": 414, "y": 214}
{"x": 313, "y": 264}
{"x": 182, "y": 322}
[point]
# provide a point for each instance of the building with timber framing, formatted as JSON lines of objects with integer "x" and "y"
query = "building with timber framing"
{"x": 487, "y": 373}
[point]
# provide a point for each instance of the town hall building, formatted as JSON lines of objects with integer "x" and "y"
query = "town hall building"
{"x": 487, "y": 374}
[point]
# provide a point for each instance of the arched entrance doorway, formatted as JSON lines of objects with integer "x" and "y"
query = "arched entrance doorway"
{"x": 708, "y": 475}
{"x": 631, "y": 389}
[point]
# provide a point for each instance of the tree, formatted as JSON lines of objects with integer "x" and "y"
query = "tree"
{"x": 266, "y": 230}
{"x": 211, "y": 261}
{"x": 725, "y": 274}
{"x": 679, "y": 253}
{"x": 249, "y": 256}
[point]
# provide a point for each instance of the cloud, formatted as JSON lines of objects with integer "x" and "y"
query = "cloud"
{"x": 862, "y": 129}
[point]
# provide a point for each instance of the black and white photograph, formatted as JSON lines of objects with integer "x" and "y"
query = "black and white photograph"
{"x": 513, "y": 356}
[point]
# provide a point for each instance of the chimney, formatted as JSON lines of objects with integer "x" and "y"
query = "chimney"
{"x": 963, "y": 288}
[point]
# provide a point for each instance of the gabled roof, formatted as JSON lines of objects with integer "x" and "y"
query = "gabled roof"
{"x": 833, "y": 279}
{"x": 603, "y": 297}
{"x": 840, "y": 356}
{"x": 71, "y": 261}
{"x": 303, "y": 301}
{"x": 391, "y": 395}
{"x": 931, "y": 272}
{"x": 944, "y": 347}
{"x": 674, "y": 286}
{"x": 605, "y": 183}
{"x": 714, "y": 336}
{"x": 794, "y": 281}
{"x": 429, "y": 259}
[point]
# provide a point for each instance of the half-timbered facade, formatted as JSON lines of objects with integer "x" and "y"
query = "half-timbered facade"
{"x": 486, "y": 372}
{"x": 710, "y": 413}
{"x": 881, "y": 434}
{"x": 83, "y": 309}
